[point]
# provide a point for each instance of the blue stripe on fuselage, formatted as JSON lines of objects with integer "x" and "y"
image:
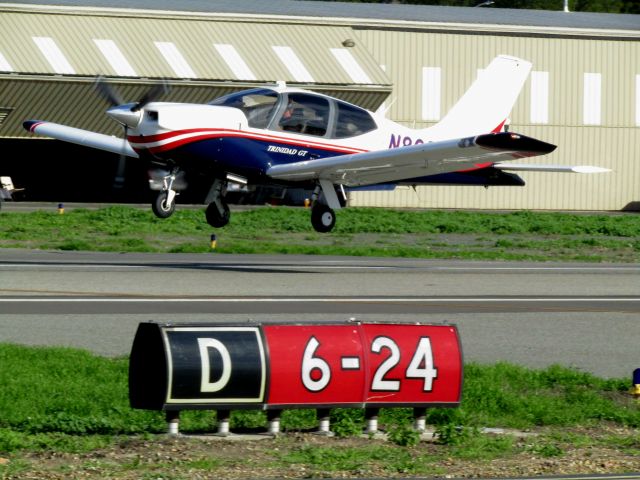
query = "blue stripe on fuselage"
{"x": 243, "y": 156}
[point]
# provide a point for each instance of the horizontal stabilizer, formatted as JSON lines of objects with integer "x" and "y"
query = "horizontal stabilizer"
{"x": 78, "y": 136}
{"x": 523, "y": 167}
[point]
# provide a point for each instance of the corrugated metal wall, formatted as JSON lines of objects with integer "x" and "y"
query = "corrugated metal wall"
{"x": 614, "y": 144}
{"x": 30, "y": 86}
{"x": 194, "y": 38}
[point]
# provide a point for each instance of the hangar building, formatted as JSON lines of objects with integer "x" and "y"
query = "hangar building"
{"x": 411, "y": 61}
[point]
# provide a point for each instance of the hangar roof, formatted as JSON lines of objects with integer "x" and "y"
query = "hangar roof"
{"x": 135, "y": 47}
{"x": 388, "y": 13}
{"x": 49, "y": 60}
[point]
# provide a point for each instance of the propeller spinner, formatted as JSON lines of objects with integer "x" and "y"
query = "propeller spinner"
{"x": 127, "y": 114}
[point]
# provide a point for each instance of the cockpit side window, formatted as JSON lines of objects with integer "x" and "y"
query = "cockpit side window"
{"x": 258, "y": 105}
{"x": 306, "y": 114}
{"x": 352, "y": 121}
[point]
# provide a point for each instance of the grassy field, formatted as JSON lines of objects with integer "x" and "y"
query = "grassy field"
{"x": 59, "y": 403}
{"x": 64, "y": 413}
{"x": 360, "y": 231}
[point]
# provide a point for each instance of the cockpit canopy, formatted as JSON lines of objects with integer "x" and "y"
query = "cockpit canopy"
{"x": 300, "y": 112}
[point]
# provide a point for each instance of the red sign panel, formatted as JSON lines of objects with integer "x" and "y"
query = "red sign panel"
{"x": 314, "y": 364}
{"x": 412, "y": 364}
{"x": 363, "y": 364}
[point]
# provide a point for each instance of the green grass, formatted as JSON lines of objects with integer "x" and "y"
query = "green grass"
{"x": 360, "y": 231}
{"x": 61, "y": 398}
{"x": 64, "y": 413}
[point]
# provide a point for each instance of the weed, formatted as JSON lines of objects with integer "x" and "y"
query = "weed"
{"x": 404, "y": 435}
{"x": 346, "y": 422}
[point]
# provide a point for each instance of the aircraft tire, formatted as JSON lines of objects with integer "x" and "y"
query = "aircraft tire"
{"x": 160, "y": 207}
{"x": 323, "y": 218}
{"x": 213, "y": 215}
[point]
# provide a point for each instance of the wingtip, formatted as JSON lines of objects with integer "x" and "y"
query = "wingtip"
{"x": 30, "y": 125}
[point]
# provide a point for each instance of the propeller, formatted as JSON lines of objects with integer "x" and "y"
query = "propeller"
{"x": 127, "y": 114}
{"x": 108, "y": 93}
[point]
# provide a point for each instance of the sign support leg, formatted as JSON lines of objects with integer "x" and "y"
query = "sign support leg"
{"x": 324, "y": 422}
{"x": 173, "y": 422}
{"x": 223, "y": 423}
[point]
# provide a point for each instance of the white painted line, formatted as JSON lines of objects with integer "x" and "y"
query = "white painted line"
{"x": 53, "y": 55}
{"x": 293, "y": 63}
{"x": 431, "y": 92}
{"x": 115, "y": 57}
{"x": 5, "y": 66}
{"x": 175, "y": 59}
{"x": 58, "y": 266}
{"x": 592, "y": 99}
{"x": 550, "y": 269}
{"x": 350, "y": 65}
{"x": 235, "y": 62}
{"x": 539, "y": 112}
{"x": 316, "y": 300}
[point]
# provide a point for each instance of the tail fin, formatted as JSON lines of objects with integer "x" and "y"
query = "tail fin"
{"x": 488, "y": 102}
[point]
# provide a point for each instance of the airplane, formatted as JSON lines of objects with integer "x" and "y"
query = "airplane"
{"x": 278, "y": 135}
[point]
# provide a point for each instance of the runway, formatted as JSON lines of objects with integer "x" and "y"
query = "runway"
{"x": 581, "y": 315}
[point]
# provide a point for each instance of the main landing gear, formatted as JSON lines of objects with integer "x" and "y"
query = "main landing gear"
{"x": 217, "y": 212}
{"x": 323, "y": 216}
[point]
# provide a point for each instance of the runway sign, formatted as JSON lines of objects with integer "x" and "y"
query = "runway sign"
{"x": 179, "y": 367}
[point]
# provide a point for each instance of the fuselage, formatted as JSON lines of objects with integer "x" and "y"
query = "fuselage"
{"x": 247, "y": 132}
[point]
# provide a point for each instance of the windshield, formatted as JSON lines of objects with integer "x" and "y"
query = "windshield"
{"x": 257, "y": 104}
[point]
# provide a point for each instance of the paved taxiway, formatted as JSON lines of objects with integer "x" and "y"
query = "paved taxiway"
{"x": 582, "y": 315}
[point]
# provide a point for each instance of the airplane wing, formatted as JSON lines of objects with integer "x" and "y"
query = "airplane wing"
{"x": 415, "y": 161}
{"x": 81, "y": 137}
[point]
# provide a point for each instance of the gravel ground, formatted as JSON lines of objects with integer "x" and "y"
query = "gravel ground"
{"x": 203, "y": 458}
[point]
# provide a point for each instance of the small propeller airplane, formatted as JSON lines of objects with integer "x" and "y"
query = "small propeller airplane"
{"x": 292, "y": 137}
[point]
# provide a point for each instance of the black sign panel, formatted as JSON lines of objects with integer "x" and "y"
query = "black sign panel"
{"x": 215, "y": 365}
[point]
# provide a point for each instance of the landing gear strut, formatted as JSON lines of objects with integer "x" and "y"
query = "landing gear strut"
{"x": 165, "y": 202}
{"x": 217, "y": 212}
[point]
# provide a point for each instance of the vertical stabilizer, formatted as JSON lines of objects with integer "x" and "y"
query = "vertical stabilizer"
{"x": 488, "y": 102}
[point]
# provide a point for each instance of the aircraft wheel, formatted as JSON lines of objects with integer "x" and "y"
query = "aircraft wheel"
{"x": 160, "y": 207}
{"x": 323, "y": 218}
{"x": 213, "y": 215}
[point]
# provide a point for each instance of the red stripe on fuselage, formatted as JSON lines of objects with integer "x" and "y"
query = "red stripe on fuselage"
{"x": 208, "y": 133}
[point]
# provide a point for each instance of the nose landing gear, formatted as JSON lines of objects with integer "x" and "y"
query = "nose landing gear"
{"x": 165, "y": 202}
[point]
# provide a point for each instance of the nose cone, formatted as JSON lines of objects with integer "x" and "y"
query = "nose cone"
{"x": 123, "y": 114}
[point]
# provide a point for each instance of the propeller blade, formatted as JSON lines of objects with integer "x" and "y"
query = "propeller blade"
{"x": 152, "y": 94}
{"x": 107, "y": 92}
{"x": 118, "y": 181}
